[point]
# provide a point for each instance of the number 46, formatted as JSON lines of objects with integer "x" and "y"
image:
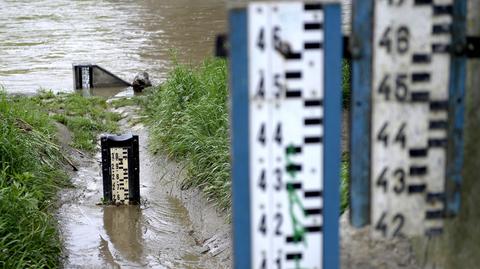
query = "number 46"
{"x": 400, "y": 36}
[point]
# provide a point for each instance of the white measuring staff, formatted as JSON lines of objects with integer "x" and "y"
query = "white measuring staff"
{"x": 119, "y": 166}
{"x": 410, "y": 89}
{"x": 285, "y": 51}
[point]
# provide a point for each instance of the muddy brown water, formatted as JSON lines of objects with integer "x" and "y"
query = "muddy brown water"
{"x": 40, "y": 39}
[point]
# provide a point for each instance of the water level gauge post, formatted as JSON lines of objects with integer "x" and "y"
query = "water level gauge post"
{"x": 82, "y": 76}
{"x": 286, "y": 113}
{"x": 407, "y": 115}
{"x": 89, "y": 75}
{"x": 120, "y": 169}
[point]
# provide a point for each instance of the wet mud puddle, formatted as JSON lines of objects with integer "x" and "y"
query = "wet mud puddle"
{"x": 157, "y": 234}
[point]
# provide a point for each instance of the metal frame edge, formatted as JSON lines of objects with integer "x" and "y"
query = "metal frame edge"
{"x": 361, "y": 47}
{"x": 456, "y": 111}
{"x": 239, "y": 137}
{"x": 333, "y": 116}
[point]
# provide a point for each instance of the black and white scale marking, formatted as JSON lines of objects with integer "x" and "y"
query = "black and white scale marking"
{"x": 119, "y": 168}
{"x": 411, "y": 66}
{"x": 85, "y": 77}
{"x": 285, "y": 50}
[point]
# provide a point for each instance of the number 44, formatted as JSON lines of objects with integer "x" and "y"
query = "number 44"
{"x": 400, "y": 137}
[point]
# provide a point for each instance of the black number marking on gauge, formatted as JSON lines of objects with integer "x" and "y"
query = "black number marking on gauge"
{"x": 410, "y": 116}
{"x": 286, "y": 134}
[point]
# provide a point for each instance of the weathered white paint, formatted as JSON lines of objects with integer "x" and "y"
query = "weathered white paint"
{"x": 270, "y": 250}
{"x": 420, "y": 20}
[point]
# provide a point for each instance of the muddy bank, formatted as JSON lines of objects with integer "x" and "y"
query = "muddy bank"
{"x": 359, "y": 251}
{"x": 171, "y": 229}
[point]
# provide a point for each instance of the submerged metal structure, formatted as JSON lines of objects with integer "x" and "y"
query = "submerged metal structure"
{"x": 88, "y": 75}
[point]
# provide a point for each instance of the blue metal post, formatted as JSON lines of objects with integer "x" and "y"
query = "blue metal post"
{"x": 456, "y": 110}
{"x": 333, "y": 112}
{"x": 360, "y": 112}
{"x": 239, "y": 128}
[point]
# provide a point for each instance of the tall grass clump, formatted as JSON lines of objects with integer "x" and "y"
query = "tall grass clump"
{"x": 30, "y": 175}
{"x": 188, "y": 119}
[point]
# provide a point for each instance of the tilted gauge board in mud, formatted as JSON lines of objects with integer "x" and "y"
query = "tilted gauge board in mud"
{"x": 120, "y": 167}
{"x": 290, "y": 129}
{"x": 409, "y": 120}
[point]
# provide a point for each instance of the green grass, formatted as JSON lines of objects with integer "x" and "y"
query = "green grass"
{"x": 31, "y": 170}
{"x": 29, "y": 180}
{"x": 188, "y": 119}
{"x": 188, "y": 116}
{"x": 130, "y": 101}
{"x": 84, "y": 116}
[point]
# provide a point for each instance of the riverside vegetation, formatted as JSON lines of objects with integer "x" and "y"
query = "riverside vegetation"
{"x": 189, "y": 120}
{"x": 32, "y": 170}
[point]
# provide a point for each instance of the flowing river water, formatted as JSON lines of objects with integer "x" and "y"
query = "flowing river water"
{"x": 39, "y": 40}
